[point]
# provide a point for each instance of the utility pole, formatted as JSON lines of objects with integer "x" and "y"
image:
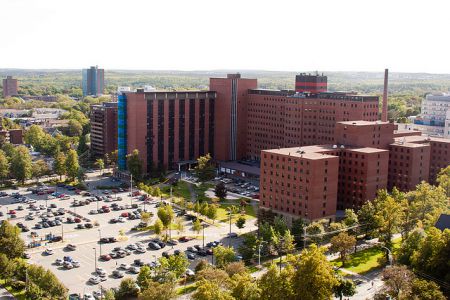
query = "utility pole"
{"x": 229, "y": 235}
{"x": 304, "y": 237}
{"x": 95, "y": 258}
{"x": 62, "y": 232}
{"x": 131, "y": 189}
{"x": 203, "y": 225}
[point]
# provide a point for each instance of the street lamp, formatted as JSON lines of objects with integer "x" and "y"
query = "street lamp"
{"x": 62, "y": 232}
{"x": 229, "y": 235}
{"x": 203, "y": 225}
{"x": 100, "y": 241}
{"x": 95, "y": 258}
{"x": 259, "y": 253}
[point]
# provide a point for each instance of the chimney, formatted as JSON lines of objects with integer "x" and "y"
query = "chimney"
{"x": 384, "y": 112}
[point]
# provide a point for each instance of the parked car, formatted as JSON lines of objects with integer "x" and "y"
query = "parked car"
{"x": 105, "y": 257}
{"x": 117, "y": 274}
{"x": 94, "y": 280}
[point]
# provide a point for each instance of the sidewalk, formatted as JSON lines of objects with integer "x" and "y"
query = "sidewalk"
{"x": 5, "y": 295}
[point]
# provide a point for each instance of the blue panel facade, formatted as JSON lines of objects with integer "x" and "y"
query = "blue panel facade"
{"x": 122, "y": 131}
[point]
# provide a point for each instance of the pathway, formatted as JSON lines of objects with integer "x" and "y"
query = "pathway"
{"x": 5, "y": 295}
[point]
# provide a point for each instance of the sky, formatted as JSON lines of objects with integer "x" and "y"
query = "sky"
{"x": 324, "y": 35}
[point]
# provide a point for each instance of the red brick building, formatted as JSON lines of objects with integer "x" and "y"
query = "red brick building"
{"x": 170, "y": 127}
{"x": 10, "y": 87}
{"x": 230, "y": 121}
{"x": 103, "y": 128}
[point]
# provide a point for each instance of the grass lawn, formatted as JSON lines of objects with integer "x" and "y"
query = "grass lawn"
{"x": 19, "y": 295}
{"x": 187, "y": 289}
{"x": 180, "y": 190}
{"x": 222, "y": 215}
{"x": 363, "y": 261}
{"x": 252, "y": 269}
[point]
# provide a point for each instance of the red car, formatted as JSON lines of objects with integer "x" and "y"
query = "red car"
{"x": 77, "y": 191}
{"x": 124, "y": 214}
{"x": 105, "y": 257}
{"x": 12, "y": 212}
{"x": 105, "y": 207}
{"x": 185, "y": 239}
{"x": 41, "y": 193}
{"x": 136, "y": 193}
{"x": 61, "y": 195}
{"x": 106, "y": 210}
{"x": 77, "y": 220}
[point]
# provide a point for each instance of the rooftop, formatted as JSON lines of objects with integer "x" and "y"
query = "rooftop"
{"x": 363, "y": 123}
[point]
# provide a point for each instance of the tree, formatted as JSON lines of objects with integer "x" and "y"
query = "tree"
{"x": 205, "y": 169}
{"x": 297, "y": 230}
{"x": 72, "y": 165}
{"x": 410, "y": 245}
{"x": 40, "y": 168}
{"x": 249, "y": 246}
{"x": 426, "y": 290}
{"x": 240, "y": 222}
{"x": 134, "y": 164}
{"x": 427, "y": 202}
{"x": 204, "y": 208}
{"x": 244, "y": 287}
{"x": 175, "y": 264}
{"x": 224, "y": 255}
{"x": 314, "y": 231}
{"x": 145, "y": 217}
{"x": 313, "y": 270}
{"x": 287, "y": 243}
{"x": 158, "y": 227}
{"x": 7, "y": 267}
{"x": 110, "y": 295}
{"x": 215, "y": 275}
{"x": 11, "y": 243}
{"x": 100, "y": 164}
{"x": 45, "y": 284}
{"x": 159, "y": 291}
{"x": 342, "y": 243}
{"x": 236, "y": 267}
{"x": 276, "y": 285}
{"x": 4, "y": 166}
{"x": 180, "y": 225}
{"x": 207, "y": 290}
{"x": 345, "y": 287}
{"x": 212, "y": 212}
{"x": 197, "y": 226}
{"x": 74, "y": 128}
{"x": 397, "y": 281}
{"x": 21, "y": 165}
{"x": 127, "y": 289}
{"x": 82, "y": 144}
{"x": 144, "y": 277}
{"x": 166, "y": 215}
{"x": 202, "y": 264}
{"x": 59, "y": 164}
{"x": 156, "y": 192}
{"x": 366, "y": 216}
{"x": 388, "y": 215}
{"x": 351, "y": 218}
{"x": 443, "y": 178}
{"x": 34, "y": 135}
{"x": 220, "y": 191}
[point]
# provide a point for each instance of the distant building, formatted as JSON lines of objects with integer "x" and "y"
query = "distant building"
{"x": 10, "y": 87}
{"x": 434, "y": 110}
{"x": 103, "y": 128}
{"x": 93, "y": 81}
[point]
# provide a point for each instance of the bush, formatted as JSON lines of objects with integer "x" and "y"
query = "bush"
{"x": 18, "y": 285}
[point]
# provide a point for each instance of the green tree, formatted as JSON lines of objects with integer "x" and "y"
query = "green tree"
{"x": 72, "y": 165}
{"x": 215, "y": 275}
{"x": 240, "y": 222}
{"x": 205, "y": 169}
{"x": 220, "y": 191}
{"x": 443, "y": 179}
{"x": 212, "y": 212}
{"x": 99, "y": 163}
{"x": 224, "y": 255}
{"x": 34, "y": 136}
{"x": 388, "y": 215}
{"x": 343, "y": 243}
{"x": 235, "y": 267}
{"x": 134, "y": 164}
{"x": 127, "y": 289}
{"x": 426, "y": 290}
{"x": 287, "y": 243}
{"x": 46, "y": 283}
{"x": 249, "y": 246}
{"x": 244, "y": 287}
{"x": 7, "y": 267}
{"x": 145, "y": 217}
{"x": 82, "y": 144}
{"x": 74, "y": 128}
{"x": 427, "y": 203}
{"x": 397, "y": 282}
{"x": 314, "y": 231}
{"x": 158, "y": 227}
{"x": 207, "y": 290}
{"x": 274, "y": 284}
{"x": 204, "y": 208}
{"x": 144, "y": 277}
{"x": 4, "y": 166}
{"x": 409, "y": 246}
{"x": 159, "y": 291}
{"x": 345, "y": 287}
{"x": 297, "y": 230}
{"x": 197, "y": 226}
{"x": 40, "y": 168}
{"x": 180, "y": 225}
{"x": 166, "y": 215}
{"x": 21, "y": 165}
{"x": 366, "y": 216}
{"x": 175, "y": 264}
{"x": 202, "y": 264}
{"x": 313, "y": 270}
{"x": 59, "y": 164}
{"x": 351, "y": 218}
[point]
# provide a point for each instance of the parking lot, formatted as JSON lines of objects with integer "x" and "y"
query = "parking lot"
{"x": 87, "y": 246}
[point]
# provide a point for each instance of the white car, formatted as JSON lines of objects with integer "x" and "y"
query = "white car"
{"x": 93, "y": 212}
{"x": 141, "y": 250}
{"x": 100, "y": 271}
{"x": 121, "y": 220}
{"x": 88, "y": 296}
{"x": 76, "y": 264}
{"x": 94, "y": 280}
{"x": 49, "y": 251}
{"x": 189, "y": 272}
{"x": 124, "y": 266}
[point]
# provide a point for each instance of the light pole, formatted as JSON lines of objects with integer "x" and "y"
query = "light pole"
{"x": 62, "y": 232}
{"x": 203, "y": 225}
{"x": 131, "y": 189}
{"x": 229, "y": 235}
{"x": 100, "y": 241}
{"x": 95, "y": 258}
{"x": 259, "y": 253}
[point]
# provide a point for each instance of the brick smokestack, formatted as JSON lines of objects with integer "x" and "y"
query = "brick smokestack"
{"x": 384, "y": 112}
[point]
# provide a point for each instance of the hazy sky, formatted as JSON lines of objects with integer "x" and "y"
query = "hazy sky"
{"x": 330, "y": 35}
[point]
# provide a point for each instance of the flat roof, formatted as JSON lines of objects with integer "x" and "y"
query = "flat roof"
{"x": 366, "y": 150}
{"x": 307, "y": 152}
{"x": 422, "y": 138}
{"x": 362, "y": 123}
{"x": 409, "y": 145}
{"x": 234, "y": 165}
